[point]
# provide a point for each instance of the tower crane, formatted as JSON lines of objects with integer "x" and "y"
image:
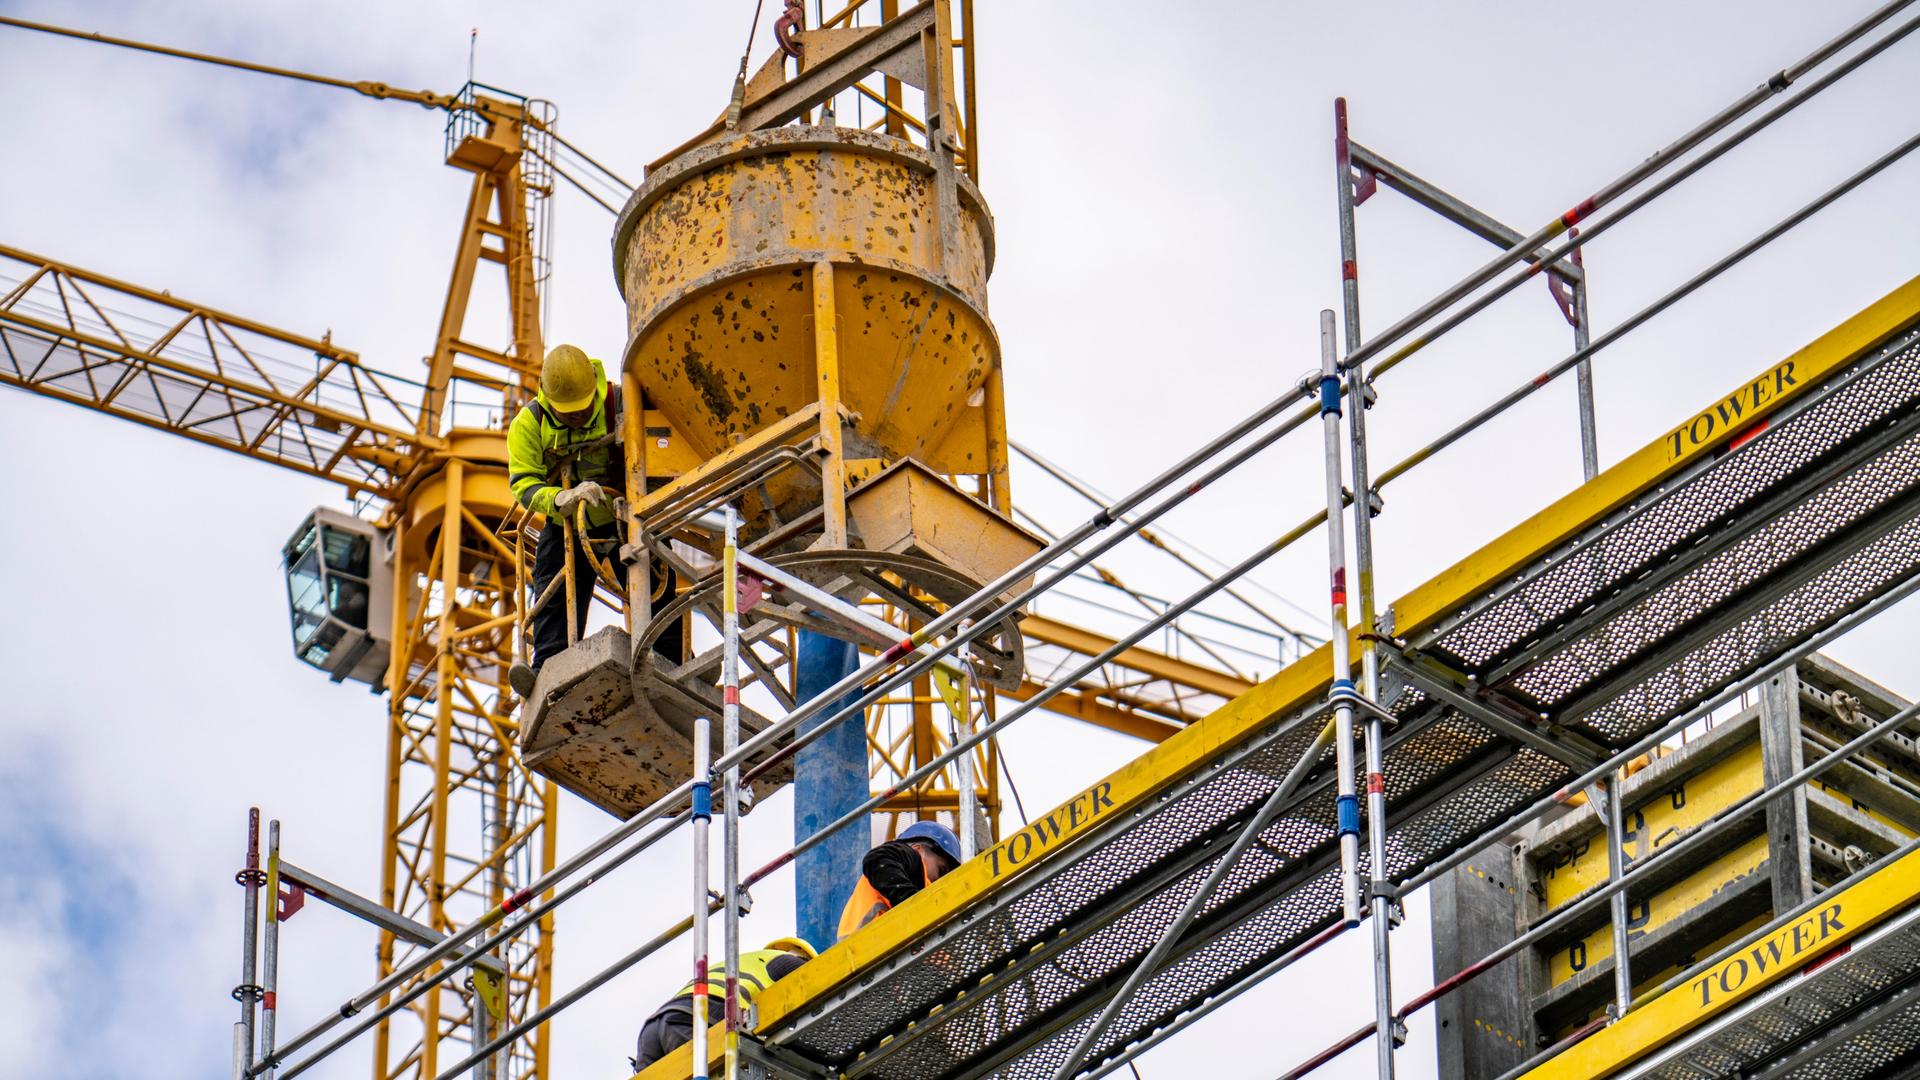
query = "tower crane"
{"x": 421, "y": 591}
{"x": 394, "y": 598}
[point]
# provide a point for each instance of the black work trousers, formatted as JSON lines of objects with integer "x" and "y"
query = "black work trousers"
{"x": 670, "y": 1029}
{"x": 550, "y": 562}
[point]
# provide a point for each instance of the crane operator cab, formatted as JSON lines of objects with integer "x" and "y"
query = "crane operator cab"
{"x": 339, "y": 594}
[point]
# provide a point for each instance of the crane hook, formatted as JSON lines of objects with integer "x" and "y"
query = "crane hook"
{"x": 791, "y": 22}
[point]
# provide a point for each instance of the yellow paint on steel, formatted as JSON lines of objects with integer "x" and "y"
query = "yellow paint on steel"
{"x": 788, "y": 429}
{"x": 342, "y": 420}
{"x": 1087, "y": 706}
{"x": 1301, "y": 683}
{"x": 428, "y": 98}
{"x": 1645, "y": 916}
{"x": 1786, "y": 951}
{"x": 906, "y": 508}
{"x": 1853, "y": 801}
{"x": 828, "y": 385}
{"x": 1673, "y": 811}
{"x": 1159, "y": 665}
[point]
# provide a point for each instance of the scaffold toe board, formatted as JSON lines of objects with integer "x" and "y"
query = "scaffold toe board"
{"x": 1761, "y": 520}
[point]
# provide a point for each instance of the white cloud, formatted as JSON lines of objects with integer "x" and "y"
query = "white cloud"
{"x": 38, "y": 953}
{"x": 1163, "y": 195}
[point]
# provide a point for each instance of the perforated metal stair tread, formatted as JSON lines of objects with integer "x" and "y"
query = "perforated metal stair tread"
{"x": 1624, "y": 604}
{"x": 1849, "y": 1018}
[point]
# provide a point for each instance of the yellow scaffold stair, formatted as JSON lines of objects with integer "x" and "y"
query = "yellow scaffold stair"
{"x": 1762, "y": 520}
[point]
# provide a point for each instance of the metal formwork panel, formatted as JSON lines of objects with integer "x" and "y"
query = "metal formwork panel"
{"x": 1848, "y": 1018}
{"x": 1707, "y": 572}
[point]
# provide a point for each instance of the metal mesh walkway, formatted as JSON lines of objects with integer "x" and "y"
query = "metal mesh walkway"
{"x": 1761, "y": 521}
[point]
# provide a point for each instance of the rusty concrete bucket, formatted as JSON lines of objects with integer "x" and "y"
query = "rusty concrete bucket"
{"x": 808, "y": 318}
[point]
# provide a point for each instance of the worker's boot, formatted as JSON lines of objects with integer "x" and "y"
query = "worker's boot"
{"x": 520, "y": 677}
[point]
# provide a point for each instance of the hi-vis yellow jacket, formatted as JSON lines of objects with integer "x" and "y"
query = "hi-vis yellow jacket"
{"x": 538, "y": 444}
{"x": 755, "y": 975}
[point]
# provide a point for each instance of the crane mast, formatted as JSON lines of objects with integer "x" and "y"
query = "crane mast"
{"x": 465, "y": 826}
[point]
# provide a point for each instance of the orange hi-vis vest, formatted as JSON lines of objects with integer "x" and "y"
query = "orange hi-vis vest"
{"x": 865, "y": 905}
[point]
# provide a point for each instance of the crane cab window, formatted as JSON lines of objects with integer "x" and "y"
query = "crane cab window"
{"x": 328, "y": 593}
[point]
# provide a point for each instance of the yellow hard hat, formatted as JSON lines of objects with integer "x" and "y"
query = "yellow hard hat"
{"x": 567, "y": 379}
{"x": 793, "y": 945}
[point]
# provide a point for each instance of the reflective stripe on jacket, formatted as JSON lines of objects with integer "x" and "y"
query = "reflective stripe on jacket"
{"x": 537, "y": 445}
{"x": 755, "y": 975}
{"x": 865, "y": 905}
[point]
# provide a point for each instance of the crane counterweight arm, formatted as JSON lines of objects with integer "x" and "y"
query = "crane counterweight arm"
{"x": 299, "y": 402}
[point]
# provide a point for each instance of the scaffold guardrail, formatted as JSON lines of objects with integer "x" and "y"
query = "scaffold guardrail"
{"x": 1231, "y": 849}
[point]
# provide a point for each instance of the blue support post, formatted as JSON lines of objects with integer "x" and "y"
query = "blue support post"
{"x": 829, "y": 780}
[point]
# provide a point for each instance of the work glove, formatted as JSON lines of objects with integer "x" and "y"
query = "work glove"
{"x": 585, "y": 492}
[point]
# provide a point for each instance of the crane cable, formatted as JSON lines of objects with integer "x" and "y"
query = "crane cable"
{"x": 378, "y": 90}
{"x": 1091, "y": 494}
{"x": 425, "y": 98}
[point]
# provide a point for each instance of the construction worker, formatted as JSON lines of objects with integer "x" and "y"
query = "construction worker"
{"x": 568, "y": 434}
{"x": 671, "y": 1025}
{"x": 925, "y": 852}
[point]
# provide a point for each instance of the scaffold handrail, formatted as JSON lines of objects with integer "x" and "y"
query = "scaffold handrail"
{"x": 919, "y": 652}
{"x": 1526, "y": 248}
{"x": 1639, "y": 318}
{"x": 1305, "y": 681}
{"x": 1549, "y": 529}
{"x": 1578, "y": 239}
{"x": 1560, "y": 797}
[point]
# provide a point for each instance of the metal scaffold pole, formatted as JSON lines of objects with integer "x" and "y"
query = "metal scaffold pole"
{"x": 730, "y": 789}
{"x": 1612, "y": 790}
{"x": 1582, "y": 329}
{"x": 702, "y": 818}
{"x": 1342, "y": 693}
{"x": 963, "y": 765}
{"x": 1359, "y": 396}
{"x": 249, "y": 878}
{"x": 270, "y": 961}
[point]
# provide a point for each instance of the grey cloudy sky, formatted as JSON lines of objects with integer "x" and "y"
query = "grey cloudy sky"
{"x": 1162, "y": 183}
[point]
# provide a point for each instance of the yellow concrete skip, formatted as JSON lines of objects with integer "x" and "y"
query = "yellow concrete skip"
{"x": 1785, "y": 952}
{"x": 1303, "y": 682}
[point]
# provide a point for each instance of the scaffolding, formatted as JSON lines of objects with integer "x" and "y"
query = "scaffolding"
{"x": 1434, "y": 750}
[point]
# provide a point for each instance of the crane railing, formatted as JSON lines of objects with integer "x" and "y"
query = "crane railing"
{"x": 216, "y": 378}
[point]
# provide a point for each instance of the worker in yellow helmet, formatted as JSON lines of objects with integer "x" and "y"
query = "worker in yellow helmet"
{"x": 571, "y": 431}
{"x": 671, "y": 1025}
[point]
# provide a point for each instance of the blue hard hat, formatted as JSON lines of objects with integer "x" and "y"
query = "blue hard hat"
{"x": 941, "y": 836}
